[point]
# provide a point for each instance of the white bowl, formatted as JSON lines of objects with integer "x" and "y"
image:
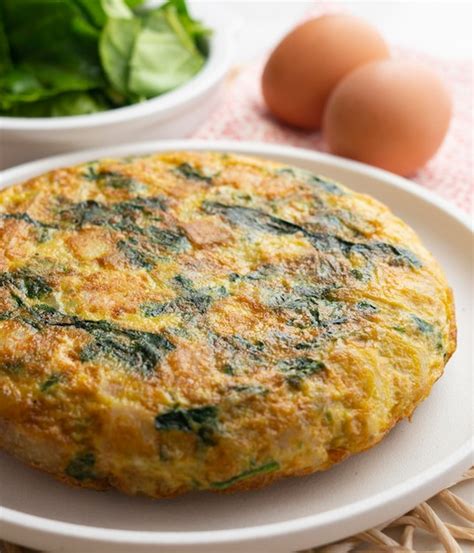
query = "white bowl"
{"x": 173, "y": 115}
{"x": 412, "y": 463}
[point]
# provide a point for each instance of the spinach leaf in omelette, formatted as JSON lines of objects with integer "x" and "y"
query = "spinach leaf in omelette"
{"x": 201, "y": 421}
{"x": 114, "y": 179}
{"x": 43, "y": 230}
{"x": 297, "y": 368}
{"x": 190, "y": 302}
{"x": 34, "y": 286}
{"x": 81, "y": 467}
{"x": 51, "y": 381}
{"x": 136, "y": 350}
{"x": 136, "y": 255}
{"x": 261, "y": 221}
{"x": 314, "y": 180}
{"x": 189, "y": 172}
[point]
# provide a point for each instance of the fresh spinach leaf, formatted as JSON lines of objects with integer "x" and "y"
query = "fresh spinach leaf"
{"x": 53, "y": 35}
{"x": 93, "y": 11}
{"x": 60, "y": 105}
{"x": 97, "y": 11}
{"x": 116, "y": 9}
{"x": 116, "y": 45}
{"x": 161, "y": 60}
{"x": 195, "y": 29}
{"x": 25, "y": 86}
{"x": 5, "y": 57}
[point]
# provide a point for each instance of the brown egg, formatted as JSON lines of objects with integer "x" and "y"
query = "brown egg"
{"x": 309, "y": 62}
{"x": 393, "y": 114}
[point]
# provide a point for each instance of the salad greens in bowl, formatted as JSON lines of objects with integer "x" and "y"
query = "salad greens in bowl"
{"x": 95, "y": 73}
{"x": 76, "y": 57}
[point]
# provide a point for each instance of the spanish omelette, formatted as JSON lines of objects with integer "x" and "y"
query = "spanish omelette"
{"x": 203, "y": 321}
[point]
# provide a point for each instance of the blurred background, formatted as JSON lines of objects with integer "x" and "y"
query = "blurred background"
{"x": 439, "y": 28}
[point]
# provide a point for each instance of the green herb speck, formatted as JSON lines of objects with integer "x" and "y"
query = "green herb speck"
{"x": 81, "y": 467}
{"x": 367, "y": 306}
{"x": 191, "y": 173}
{"x": 50, "y": 382}
{"x": 12, "y": 367}
{"x": 113, "y": 179}
{"x": 422, "y": 325}
{"x": 296, "y": 369}
{"x": 262, "y": 469}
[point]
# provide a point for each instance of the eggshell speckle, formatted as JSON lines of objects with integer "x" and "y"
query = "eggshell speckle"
{"x": 309, "y": 62}
{"x": 392, "y": 114}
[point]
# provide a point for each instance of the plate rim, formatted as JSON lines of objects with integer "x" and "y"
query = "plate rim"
{"x": 426, "y": 483}
{"x": 448, "y": 468}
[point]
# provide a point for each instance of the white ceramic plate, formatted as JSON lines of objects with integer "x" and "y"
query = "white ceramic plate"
{"x": 415, "y": 461}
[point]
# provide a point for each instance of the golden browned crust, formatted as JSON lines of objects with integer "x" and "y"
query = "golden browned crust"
{"x": 200, "y": 321}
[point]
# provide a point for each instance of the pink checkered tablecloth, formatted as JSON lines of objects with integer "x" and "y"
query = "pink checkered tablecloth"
{"x": 242, "y": 115}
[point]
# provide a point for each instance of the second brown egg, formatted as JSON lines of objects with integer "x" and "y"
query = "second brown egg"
{"x": 393, "y": 114}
